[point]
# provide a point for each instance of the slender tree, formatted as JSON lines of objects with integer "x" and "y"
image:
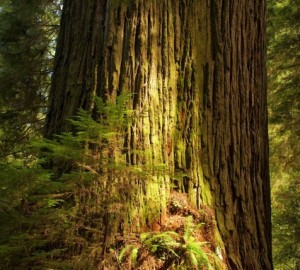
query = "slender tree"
{"x": 195, "y": 71}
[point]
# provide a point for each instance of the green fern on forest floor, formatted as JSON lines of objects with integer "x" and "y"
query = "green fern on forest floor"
{"x": 174, "y": 250}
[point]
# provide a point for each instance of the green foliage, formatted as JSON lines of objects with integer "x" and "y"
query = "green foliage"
{"x": 175, "y": 250}
{"x": 195, "y": 255}
{"x": 283, "y": 74}
{"x": 53, "y": 216}
{"x": 28, "y": 31}
{"x": 286, "y": 222}
{"x": 163, "y": 244}
{"x": 284, "y": 62}
{"x": 31, "y": 215}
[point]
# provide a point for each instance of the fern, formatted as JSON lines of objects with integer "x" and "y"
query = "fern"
{"x": 194, "y": 252}
{"x": 161, "y": 244}
{"x": 176, "y": 250}
{"x": 45, "y": 214}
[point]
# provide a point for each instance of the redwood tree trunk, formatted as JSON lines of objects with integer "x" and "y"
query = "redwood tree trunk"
{"x": 236, "y": 121}
{"x": 196, "y": 72}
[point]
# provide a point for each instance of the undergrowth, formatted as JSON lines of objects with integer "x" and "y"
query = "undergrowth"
{"x": 174, "y": 250}
{"x": 54, "y": 201}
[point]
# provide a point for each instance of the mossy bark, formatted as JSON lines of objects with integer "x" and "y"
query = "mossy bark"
{"x": 196, "y": 73}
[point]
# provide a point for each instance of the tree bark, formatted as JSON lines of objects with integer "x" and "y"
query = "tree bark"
{"x": 196, "y": 73}
{"x": 236, "y": 119}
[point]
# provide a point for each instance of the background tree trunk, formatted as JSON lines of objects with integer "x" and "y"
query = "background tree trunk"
{"x": 196, "y": 72}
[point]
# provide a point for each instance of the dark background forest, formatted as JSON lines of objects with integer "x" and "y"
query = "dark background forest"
{"x": 30, "y": 212}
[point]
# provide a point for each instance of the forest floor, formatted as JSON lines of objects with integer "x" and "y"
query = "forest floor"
{"x": 185, "y": 239}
